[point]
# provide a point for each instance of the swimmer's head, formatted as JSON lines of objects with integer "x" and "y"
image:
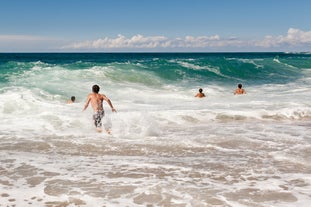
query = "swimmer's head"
{"x": 95, "y": 88}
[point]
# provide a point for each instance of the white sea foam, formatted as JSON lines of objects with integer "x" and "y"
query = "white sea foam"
{"x": 167, "y": 147}
{"x": 278, "y": 61}
{"x": 254, "y": 62}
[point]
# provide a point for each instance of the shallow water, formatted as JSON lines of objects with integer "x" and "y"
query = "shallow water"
{"x": 167, "y": 148}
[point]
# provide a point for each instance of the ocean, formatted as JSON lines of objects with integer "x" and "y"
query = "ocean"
{"x": 167, "y": 147}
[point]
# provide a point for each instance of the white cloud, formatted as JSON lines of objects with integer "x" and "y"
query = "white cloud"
{"x": 294, "y": 37}
{"x": 140, "y": 41}
{"x": 137, "y": 41}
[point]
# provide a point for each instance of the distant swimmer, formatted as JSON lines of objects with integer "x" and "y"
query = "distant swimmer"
{"x": 239, "y": 90}
{"x": 72, "y": 100}
{"x": 96, "y": 99}
{"x": 200, "y": 94}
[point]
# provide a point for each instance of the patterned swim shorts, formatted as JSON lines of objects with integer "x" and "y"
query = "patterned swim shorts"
{"x": 98, "y": 118}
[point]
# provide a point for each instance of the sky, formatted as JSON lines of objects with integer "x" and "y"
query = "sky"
{"x": 155, "y": 25}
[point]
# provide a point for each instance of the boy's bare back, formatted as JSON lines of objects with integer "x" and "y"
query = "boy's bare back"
{"x": 96, "y": 101}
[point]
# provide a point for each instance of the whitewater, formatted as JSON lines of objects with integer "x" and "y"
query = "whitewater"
{"x": 167, "y": 147}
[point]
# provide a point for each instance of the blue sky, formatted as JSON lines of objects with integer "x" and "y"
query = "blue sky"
{"x": 155, "y": 25}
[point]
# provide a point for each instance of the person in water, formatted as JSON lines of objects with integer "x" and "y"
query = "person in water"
{"x": 200, "y": 94}
{"x": 239, "y": 90}
{"x": 72, "y": 100}
{"x": 96, "y": 99}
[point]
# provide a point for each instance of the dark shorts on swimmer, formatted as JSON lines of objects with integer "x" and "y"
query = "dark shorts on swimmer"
{"x": 98, "y": 118}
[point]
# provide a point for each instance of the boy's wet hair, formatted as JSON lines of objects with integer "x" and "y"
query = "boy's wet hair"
{"x": 240, "y": 85}
{"x": 95, "y": 88}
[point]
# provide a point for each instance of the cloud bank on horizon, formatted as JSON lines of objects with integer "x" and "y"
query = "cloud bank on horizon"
{"x": 294, "y": 40}
{"x": 294, "y": 37}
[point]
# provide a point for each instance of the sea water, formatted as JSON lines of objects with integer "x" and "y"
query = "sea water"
{"x": 167, "y": 147}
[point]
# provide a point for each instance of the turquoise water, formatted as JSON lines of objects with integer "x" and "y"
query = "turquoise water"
{"x": 185, "y": 70}
{"x": 251, "y": 68}
{"x": 167, "y": 147}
